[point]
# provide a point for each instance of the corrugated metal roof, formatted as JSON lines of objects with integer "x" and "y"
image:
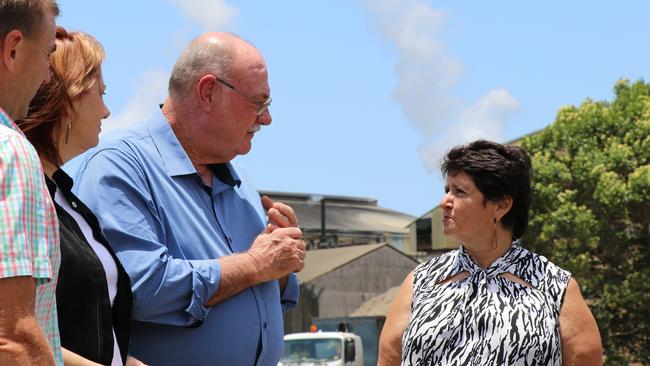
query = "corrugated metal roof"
{"x": 321, "y": 261}
{"x": 345, "y": 214}
{"x": 350, "y": 217}
{"x": 316, "y": 197}
{"x": 378, "y": 305}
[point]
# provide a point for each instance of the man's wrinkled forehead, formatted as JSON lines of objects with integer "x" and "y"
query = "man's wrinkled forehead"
{"x": 249, "y": 67}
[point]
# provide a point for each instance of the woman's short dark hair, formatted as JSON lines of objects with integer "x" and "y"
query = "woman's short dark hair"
{"x": 498, "y": 171}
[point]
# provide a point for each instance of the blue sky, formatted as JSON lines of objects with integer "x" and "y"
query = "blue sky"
{"x": 367, "y": 95}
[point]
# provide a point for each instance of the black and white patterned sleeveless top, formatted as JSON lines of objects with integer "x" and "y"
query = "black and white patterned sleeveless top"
{"x": 485, "y": 319}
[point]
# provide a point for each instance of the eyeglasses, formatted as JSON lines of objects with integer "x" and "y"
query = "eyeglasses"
{"x": 261, "y": 106}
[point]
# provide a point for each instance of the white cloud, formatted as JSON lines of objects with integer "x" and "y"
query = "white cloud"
{"x": 211, "y": 15}
{"x": 485, "y": 119}
{"x": 427, "y": 74}
{"x": 150, "y": 90}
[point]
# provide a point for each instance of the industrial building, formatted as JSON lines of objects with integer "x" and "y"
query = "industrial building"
{"x": 335, "y": 282}
{"x": 329, "y": 221}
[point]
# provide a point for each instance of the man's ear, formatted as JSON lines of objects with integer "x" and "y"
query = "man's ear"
{"x": 206, "y": 87}
{"x": 12, "y": 45}
{"x": 504, "y": 205}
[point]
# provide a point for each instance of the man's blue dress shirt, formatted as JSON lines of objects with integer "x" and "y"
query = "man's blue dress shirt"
{"x": 168, "y": 229}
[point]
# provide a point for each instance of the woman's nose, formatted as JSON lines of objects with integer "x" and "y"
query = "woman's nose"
{"x": 445, "y": 201}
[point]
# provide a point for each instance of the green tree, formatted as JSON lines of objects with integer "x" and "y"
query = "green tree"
{"x": 591, "y": 211}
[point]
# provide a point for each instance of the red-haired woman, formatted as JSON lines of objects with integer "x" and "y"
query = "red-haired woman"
{"x": 93, "y": 292}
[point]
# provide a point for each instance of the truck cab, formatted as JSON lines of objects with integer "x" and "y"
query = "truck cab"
{"x": 322, "y": 349}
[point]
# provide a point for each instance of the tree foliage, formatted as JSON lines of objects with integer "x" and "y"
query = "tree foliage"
{"x": 591, "y": 211}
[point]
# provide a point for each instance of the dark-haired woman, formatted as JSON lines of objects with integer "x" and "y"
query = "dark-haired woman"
{"x": 93, "y": 291}
{"x": 491, "y": 302}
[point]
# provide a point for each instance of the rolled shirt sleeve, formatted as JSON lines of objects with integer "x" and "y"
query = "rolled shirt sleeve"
{"x": 166, "y": 290}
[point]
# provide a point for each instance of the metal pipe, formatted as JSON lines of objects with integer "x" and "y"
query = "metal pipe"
{"x": 322, "y": 221}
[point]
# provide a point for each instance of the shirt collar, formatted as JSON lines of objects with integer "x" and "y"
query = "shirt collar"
{"x": 5, "y": 120}
{"x": 60, "y": 179}
{"x": 174, "y": 156}
{"x": 226, "y": 173}
{"x": 506, "y": 263}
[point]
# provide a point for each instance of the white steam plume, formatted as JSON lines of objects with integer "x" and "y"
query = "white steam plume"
{"x": 427, "y": 74}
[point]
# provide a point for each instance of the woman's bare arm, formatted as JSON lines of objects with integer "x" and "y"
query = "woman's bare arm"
{"x": 580, "y": 337}
{"x": 390, "y": 342}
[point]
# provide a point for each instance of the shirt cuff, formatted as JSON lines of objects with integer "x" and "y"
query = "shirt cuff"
{"x": 206, "y": 275}
{"x": 291, "y": 293}
{"x": 38, "y": 268}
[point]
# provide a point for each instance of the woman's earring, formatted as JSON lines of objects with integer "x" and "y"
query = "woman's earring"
{"x": 494, "y": 236}
{"x": 67, "y": 133}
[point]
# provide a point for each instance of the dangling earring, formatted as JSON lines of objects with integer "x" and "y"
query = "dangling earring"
{"x": 494, "y": 236}
{"x": 67, "y": 133}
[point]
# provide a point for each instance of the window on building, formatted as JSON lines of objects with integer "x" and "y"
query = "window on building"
{"x": 423, "y": 230}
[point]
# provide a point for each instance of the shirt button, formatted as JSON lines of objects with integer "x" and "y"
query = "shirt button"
{"x": 74, "y": 204}
{"x": 265, "y": 325}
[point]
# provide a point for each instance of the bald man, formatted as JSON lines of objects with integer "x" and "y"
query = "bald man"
{"x": 211, "y": 274}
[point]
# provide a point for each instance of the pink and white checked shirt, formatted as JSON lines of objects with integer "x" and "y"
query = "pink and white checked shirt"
{"x": 29, "y": 230}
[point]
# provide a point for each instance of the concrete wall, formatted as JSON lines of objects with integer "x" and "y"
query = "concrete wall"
{"x": 411, "y": 248}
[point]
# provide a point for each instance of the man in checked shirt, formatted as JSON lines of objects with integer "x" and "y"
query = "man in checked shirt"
{"x": 29, "y": 248}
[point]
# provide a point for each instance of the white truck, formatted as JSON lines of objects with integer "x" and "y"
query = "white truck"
{"x": 322, "y": 349}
